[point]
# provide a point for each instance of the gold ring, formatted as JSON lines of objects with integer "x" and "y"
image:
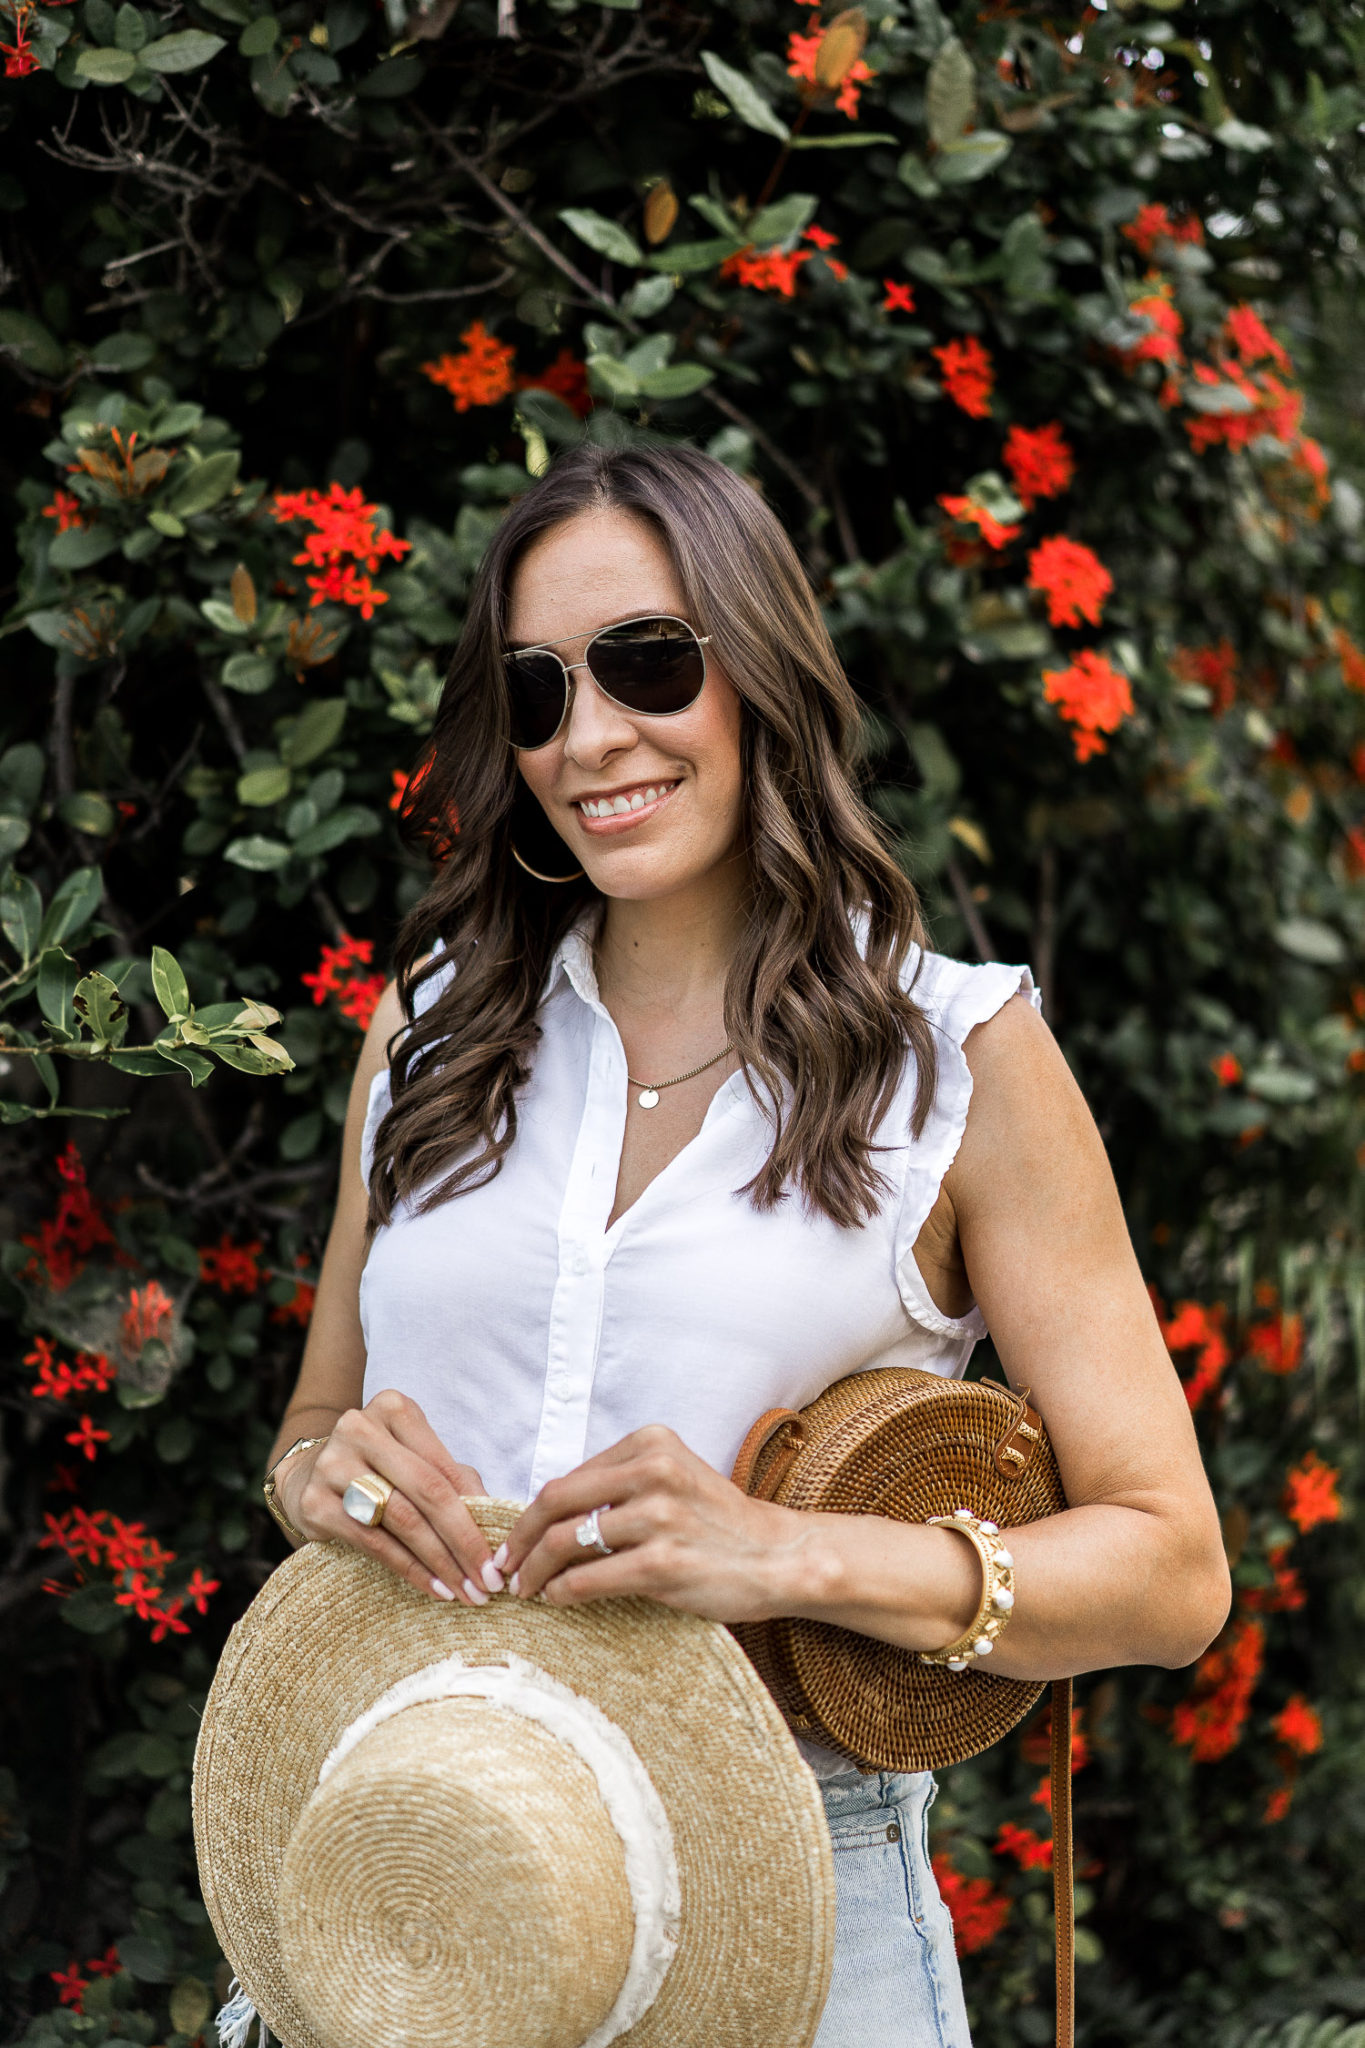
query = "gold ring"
{"x": 366, "y": 1498}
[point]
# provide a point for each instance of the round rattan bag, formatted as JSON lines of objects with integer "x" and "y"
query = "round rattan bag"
{"x": 908, "y": 1445}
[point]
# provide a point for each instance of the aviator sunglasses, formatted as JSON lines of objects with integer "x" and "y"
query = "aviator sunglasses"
{"x": 652, "y": 667}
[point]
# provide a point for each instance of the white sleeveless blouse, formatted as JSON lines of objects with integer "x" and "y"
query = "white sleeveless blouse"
{"x": 532, "y": 1336}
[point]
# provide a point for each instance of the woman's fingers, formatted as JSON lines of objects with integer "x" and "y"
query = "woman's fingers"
{"x": 395, "y": 1430}
{"x": 651, "y": 1459}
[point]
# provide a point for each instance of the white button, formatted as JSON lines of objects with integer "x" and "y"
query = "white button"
{"x": 578, "y": 1261}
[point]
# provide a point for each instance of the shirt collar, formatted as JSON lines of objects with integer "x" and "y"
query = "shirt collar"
{"x": 573, "y": 957}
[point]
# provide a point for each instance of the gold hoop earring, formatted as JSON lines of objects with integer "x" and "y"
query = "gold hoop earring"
{"x": 536, "y": 871}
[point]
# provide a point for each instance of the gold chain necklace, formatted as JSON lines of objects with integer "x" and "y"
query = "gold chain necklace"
{"x": 649, "y": 1090}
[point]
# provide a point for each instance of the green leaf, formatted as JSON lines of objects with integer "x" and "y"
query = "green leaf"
{"x": 607, "y": 374}
{"x": 949, "y": 93}
{"x": 130, "y": 28}
{"x": 101, "y": 1008}
{"x": 85, "y": 810}
{"x": 220, "y": 614}
{"x": 186, "y": 50}
{"x": 676, "y": 380}
{"x": 169, "y": 984}
{"x": 146, "y": 1956}
{"x": 258, "y": 854}
{"x": 81, "y": 546}
{"x": 687, "y": 257}
{"x": 353, "y": 821}
{"x": 214, "y": 477}
{"x": 1235, "y": 134}
{"x": 971, "y": 156}
{"x": 22, "y": 769}
{"x": 249, "y": 673}
{"x": 783, "y": 221}
{"x": 1309, "y": 939}
{"x": 72, "y": 906}
{"x": 194, "y": 1063}
{"x": 744, "y": 97}
{"x": 190, "y": 2005}
{"x": 148, "y": 1065}
{"x": 28, "y": 339}
{"x": 393, "y": 78}
{"x": 316, "y": 728}
{"x": 1283, "y": 1086}
{"x": 106, "y": 67}
{"x": 261, "y": 786}
{"x": 126, "y": 350}
{"x": 58, "y": 975}
{"x": 258, "y": 36}
{"x": 854, "y": 139}
{"x": 602, "y": 235}
{"x": 91, "y": 1609}
{"x": 14, "y": 833}
{"x": 167, "y": 523}
{"x": 245, "y": 1058}
{"x": 21, "y": 914}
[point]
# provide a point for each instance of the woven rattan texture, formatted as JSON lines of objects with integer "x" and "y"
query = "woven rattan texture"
{"x": 907, "y": 1445}
{"x": 331, "y": 1631}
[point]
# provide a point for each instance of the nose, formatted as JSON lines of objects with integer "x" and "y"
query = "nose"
{"x": 596, "y": 727}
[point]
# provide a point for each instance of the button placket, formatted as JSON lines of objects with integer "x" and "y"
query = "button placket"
{"x": 576, "y": 1307}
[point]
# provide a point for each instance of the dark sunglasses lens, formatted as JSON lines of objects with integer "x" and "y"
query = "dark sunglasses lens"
{"x": 650, "y": 665}
{"x": 535, "y": 692}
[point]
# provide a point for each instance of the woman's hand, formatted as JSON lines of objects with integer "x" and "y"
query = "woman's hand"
{"x": 428, "y": 1535}
{"x": 679, "y": 1533}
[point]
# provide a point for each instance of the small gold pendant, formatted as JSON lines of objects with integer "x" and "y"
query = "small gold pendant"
{"x": 648, "y": 1098}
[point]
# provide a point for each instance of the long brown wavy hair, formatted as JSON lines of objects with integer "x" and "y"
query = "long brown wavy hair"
{"x": 810, "y": 1001}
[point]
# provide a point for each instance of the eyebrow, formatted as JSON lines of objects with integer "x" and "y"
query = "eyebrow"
{"x": 588, "y": 632}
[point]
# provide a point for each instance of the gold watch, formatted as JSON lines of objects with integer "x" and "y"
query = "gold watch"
{"x": 305, "y": 1443}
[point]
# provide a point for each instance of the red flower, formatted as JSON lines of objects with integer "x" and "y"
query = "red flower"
{"x": 1298, "y": 1726}
{"x": 970, "y": 512}
{"x": 1213, "y": 666}
{"x": 1210, "y": 1722}
{"x": 233, "y": 1267}
{"x": 299, "y": 1308}
{"x": 61, "y": 1244}
{"x": 481, "y": 374}
{"x": 566, "y": 377}
{"x": 1285, "y": 1595}
{"x": 148, "y": 1309}
{"x": 1040, "y": 461}
{"x": 107, "y": 1965}
{"x": 968, "y": 375}
{"x": 1161, "y": 342}
{"x": 199, "y": 1588}
{"x": 1352, "y": 669}
{"x": 71, "y": 1986}
{"x": 802, "y": 53}
{"x": 357, "y": 995}
{"x": 1228, "y": 1069}
{"x": 1196, "y": 1328}
{"x": 1092, "y": 696}
{"x": 1028, "y": 1849}
{"x": 166, "y": 1621}
{"x": 1252, "y": 339}
{"x": 1277, "y": 1806}
{"x": 1277, "y": 1344}
{"x": 85, "y": 1436}
{"x": 770, "y": 272}
{"x": 1153, "y": 224}
{"x": 978, "y": 1910}
{"x": 900, "y": 298}
{"x": 1072, "y": 579}
{"x": 1310, "y": 1493}
{"x": 66, "y": 506}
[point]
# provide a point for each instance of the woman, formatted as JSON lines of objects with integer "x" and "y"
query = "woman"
{"x": 682, "y": 1123}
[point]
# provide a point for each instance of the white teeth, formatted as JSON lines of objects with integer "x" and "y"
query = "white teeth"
{"x": 609, "y": 807}
{"x": 651, "y": 796}
{"x": 637, "y": 802}
{"x": 620, "y": 804}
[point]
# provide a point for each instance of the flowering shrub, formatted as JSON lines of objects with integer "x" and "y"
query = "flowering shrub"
{"x": 1010, "y": 315}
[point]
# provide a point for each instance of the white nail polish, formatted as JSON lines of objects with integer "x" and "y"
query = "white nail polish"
{"x": 492, "y": 1577}
{"x": 475, "y": 1593}
{"x": 441, "y": 1590}
{"x": 515, "y": 1582}
{"x": 500, "y": 1556}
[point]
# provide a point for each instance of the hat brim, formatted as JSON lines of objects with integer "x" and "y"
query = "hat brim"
{"x": 330, "y": 1631}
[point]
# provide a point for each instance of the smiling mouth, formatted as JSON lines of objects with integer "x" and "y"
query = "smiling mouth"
{"x": 631, "y": 804}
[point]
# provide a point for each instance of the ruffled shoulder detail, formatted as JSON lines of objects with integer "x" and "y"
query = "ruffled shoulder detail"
{"x": 381, "y": 1094}
{"x": 954, "y": 997}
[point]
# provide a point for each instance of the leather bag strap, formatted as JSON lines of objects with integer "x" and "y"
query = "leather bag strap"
{"x": 1063, "y": 1876}
{"x": 754, "y": 1444}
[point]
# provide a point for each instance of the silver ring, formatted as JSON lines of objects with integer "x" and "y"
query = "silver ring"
{"x": 590, "y": 1535}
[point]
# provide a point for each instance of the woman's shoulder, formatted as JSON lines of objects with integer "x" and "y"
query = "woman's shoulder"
{"x": 957, "y": 995}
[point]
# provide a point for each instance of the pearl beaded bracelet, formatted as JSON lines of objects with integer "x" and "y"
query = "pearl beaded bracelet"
{"x": 997, "y": 1592}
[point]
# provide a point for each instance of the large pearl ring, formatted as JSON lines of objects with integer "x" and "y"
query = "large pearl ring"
{"x": 589, "y": 1534}
{"x": 366, "y": 1498}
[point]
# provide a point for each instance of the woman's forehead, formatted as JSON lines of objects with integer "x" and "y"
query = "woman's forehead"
{"x": 593, "y": 570}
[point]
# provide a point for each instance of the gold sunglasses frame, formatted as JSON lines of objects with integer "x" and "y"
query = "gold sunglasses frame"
{"x": 595, "y": 633}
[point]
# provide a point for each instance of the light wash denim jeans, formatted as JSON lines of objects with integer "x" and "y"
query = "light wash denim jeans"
{"x": 896, "y": 1981}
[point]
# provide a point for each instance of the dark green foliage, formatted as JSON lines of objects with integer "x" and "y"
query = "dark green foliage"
{"x": 231, "y": 240}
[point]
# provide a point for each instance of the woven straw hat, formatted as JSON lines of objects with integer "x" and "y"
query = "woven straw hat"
{"x": 512, "y": 1826}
